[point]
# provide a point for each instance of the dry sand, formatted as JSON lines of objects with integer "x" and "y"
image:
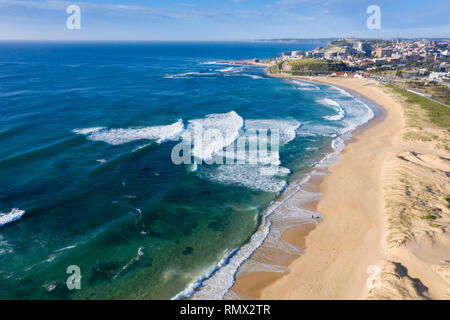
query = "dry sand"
{"x": 386, "y": 218}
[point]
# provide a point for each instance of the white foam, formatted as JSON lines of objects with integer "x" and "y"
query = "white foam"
{"x": 212, "y": 133}
{"x": 252, "y": 157}
{"x": 264, "y": 178}
{"x": 286, "y": 128}
{"x": 336, "y": 106}
{"x": 191, "y": 288}
{"x": 193, "y": 167}
{"x": 253, "y": 76}
{"x": 50, "y": 286}
{"x": 67, "y": 248}
{"x": 254, "y": 167}
{"x": 175, "y": 76}
{"x": 274, "y": 171}
{"x": 357, "y": 113}
{"x": 305, "y": 86}
{"x": 343, "y": 92}
{"x": 232, "y": 70}
{"x": 214, "y": 62}
{"x": 121, "y": 136}
{"x": 327, "y": 102}
{"x": 187, "y": 75}
{"x": 140, "y": 147}
{"x": 369, "y": 114}
{"x": 227, "y": 69}
{"x": 309, "y": 129}
{"x": 248, "y": 150}
{"x": 140, "y": 253}
{"x": 337, "y": 117}
{"x": 88, "y": 130}
{"x": 13, "y": 215}
{"x": 303, "y": 83}
{"x": 338, "y": 144}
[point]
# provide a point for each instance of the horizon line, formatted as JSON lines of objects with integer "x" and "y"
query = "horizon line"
{"x": 221, "y": 40}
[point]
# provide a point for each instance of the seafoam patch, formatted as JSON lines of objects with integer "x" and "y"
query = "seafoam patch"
{"x": 13, "y": 215}
{"x": 121, "y": 136}
{"x": 336, "y": 106}
{"x": 212, "y": 133}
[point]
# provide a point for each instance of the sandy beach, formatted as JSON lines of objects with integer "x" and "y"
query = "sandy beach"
{"x": 376, "y": 239}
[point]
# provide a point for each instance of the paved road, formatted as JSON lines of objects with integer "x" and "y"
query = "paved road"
{"x": 389, "y": 81}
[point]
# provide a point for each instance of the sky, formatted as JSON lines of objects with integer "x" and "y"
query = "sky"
{"x": 221, "y": 20}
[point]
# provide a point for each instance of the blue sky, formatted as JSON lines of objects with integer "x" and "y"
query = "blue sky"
{"x": 221, "y": 19}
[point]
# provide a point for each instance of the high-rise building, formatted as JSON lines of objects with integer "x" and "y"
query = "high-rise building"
{"x": 383, "y": 52}
{"x": 363, "y": 47}
{"x": 379, "y": 52}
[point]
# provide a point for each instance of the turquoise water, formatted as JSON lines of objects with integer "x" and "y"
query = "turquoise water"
{"x": 86, "y": 175}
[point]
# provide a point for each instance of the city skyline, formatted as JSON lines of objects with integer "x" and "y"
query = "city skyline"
{"x": 225, "y": 20}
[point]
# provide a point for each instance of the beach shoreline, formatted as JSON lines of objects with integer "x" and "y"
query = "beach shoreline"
{"x": 249, "y": 285}
{"x": 274, "y": 256}
{"x": 365, "y": 235}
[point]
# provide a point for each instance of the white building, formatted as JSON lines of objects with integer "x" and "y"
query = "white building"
{"x": 439, "y": 75}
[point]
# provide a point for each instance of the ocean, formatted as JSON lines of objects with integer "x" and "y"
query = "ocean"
{"x": 87, "y": 177}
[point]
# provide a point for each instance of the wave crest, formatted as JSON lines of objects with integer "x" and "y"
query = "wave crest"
{"x": 13, "y": 215}
{"x": 336, "y": 106}
{"x": 120, "y": 136}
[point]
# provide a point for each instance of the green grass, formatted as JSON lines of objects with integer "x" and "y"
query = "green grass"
{"x": 301, "y": 62}
{"x": 307, "y": 61}
{"x": 314, "y": 66}
{"x": 439, "y": 115}
{"x": 439, "y": 92}
{"x": 430, "y": 217}
{"x": 275, "y": 69}
{"x": 434, "y": 225}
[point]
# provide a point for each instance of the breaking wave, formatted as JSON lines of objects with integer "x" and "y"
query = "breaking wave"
{"x": 217, "y": 132}
{"x": 120, "y": 136}
{"x": 219, "y": 135}
{"x": 336, "y": 106}
{"x": 13, "y": 215}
